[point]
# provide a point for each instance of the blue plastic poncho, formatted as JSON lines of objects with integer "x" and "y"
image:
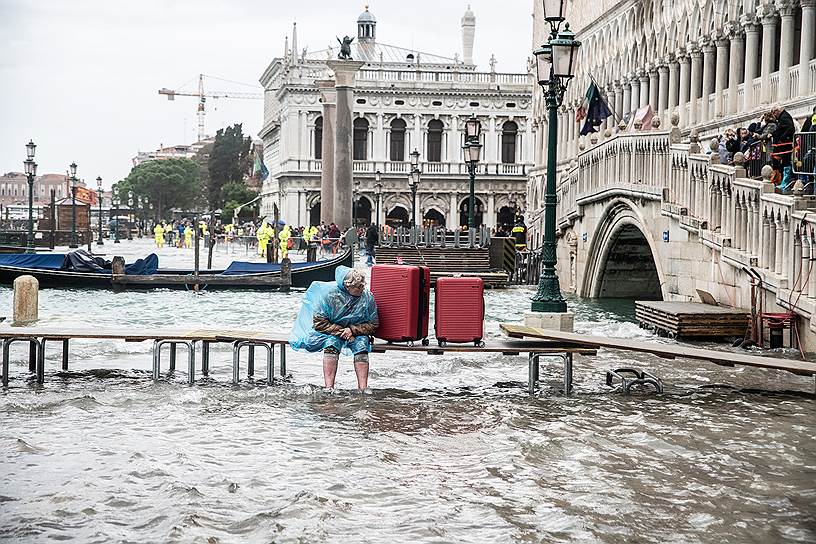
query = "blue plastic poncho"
{"x": 331, "y": 300}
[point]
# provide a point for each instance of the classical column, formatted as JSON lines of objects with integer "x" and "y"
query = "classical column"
{"x": 663, "y": 92}
{"x": 344, "y": 74}
{"x": 328, "y": 96}
{"x": 696, "y": 74}
{"x": 643, "y": 76}
{"x": 722, "y": 75}
{"x": 634, "y": 104}
{"x": 787, "y": 36}
{"x": 674, "y": 86}
{"x": 684, "y": 89}
{"x": 737, "y": 62}
{"x": 806, "y": 48}
{"x": 618, "y": 103}
{"x": 768, "y": 53}
{"x": 709, "y": 69}
{"x": 751, "y": 61}
{"x": 805, "y": 261}
{"x": 654, "y": 89}
{"x": 627, "y": 97}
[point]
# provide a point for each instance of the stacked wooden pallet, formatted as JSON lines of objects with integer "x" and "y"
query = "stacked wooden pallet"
{"x": 691, "y": 319}
{"x": 446, "y": 262}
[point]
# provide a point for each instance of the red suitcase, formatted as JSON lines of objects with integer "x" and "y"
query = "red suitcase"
{"x": 460, "y": 310}
{"x": 403, "y": 297}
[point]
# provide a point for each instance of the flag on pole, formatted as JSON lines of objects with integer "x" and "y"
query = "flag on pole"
{"x": 259, "y": 168}
{"x": 594, "y": 109}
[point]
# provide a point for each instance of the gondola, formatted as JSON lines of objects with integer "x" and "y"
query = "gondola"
{"x": 54, "y": 271}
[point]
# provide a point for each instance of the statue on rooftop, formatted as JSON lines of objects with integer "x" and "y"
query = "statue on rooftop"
{"x": 345, "y": 48}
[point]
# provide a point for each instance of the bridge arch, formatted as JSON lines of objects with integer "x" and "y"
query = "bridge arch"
{"x": 621, "y": 259}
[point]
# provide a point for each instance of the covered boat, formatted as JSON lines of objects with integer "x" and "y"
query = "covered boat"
{"x": 81, "y": 269}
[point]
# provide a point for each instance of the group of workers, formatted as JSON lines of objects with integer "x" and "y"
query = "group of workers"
{"x": 266, "y": 233}
{"x": 164, "y": 233}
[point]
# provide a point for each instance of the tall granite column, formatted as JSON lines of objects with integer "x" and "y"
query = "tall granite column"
{"x": 329, "y": 99}
{"x": 345, "y": 72}
{"x": 806, "y": 47}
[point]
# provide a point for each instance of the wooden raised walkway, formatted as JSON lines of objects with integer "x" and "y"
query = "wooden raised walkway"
{"x": 665, "y": 351}
{"x": 192, "y": 339}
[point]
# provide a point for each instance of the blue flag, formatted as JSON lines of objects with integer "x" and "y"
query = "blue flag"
{"x": 596, "y": 110}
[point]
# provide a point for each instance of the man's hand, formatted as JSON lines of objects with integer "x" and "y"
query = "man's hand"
{"x": 346, "y": 334}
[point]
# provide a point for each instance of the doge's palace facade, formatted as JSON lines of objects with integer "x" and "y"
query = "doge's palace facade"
{"x": 404, "y": 100}
{"x": 714, "y": 63}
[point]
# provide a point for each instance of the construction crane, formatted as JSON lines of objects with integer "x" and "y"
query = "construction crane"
{"x": 202, "y": 98}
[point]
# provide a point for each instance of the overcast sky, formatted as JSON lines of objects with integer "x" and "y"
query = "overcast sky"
{"x": 81, "y": 77}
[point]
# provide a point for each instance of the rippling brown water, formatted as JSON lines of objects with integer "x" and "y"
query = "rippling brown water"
{"x": 446, "y": 449}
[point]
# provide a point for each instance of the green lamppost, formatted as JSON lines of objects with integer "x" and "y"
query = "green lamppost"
{"x": 130, "y": 216}
{"x": 31, "y": 173}
{"x": 115, "y": 219}
{"x": 74, "y": 241}
{"x": 555, "y": 66}
{"x": 413, "y": 183}
{"x": 473, "y": 150}
{"x": 99, "y": 242}
{"x": 378, "y": 187}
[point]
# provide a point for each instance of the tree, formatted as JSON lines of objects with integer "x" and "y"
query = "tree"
{"x": 166, "y": 184}
{"x": 237, "y": 194}
{"x": 228, "y": 162}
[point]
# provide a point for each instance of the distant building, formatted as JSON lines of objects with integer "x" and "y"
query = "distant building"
{"x": 404, "y": 100}
{"x": 14, "y": 188}
{"x": 181, "y": 151}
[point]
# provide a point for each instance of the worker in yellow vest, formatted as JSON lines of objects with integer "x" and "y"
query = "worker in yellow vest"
{"x": 263, "y": 235}
{"x": 188, "y": 236}
{"x": 284, "y": 237}
{"x": 158, "y": 232}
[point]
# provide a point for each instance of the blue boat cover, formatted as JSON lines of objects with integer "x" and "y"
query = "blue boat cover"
{"x": 47, "y": 261}
{"x": 81, "y": 262}
{"x": 238, "y": 268}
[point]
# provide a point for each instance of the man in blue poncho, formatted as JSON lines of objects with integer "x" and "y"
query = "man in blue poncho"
{"x": 337, "y": 317}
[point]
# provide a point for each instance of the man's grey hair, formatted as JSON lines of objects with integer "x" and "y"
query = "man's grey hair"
{"x": 355, "y": 279}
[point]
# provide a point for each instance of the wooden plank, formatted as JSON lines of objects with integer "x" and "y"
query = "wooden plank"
{"x": 663, "y": 350}
{"x": 201, "y": 279}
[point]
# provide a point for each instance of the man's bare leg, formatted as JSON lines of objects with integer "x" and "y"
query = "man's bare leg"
{"x": 330, "y": 369}
{"x": 361, "y": 369}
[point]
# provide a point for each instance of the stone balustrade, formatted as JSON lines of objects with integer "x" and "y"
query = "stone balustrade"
{"x": 404, "y": 167}
{"x": 743, "y": 219}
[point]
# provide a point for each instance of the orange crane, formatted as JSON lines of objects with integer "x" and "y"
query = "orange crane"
{"x": 202, "y": 98}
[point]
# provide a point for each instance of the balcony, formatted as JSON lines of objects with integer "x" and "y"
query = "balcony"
{"x": 404, "y": 167}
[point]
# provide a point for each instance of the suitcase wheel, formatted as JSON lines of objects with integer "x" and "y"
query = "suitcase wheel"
{"x": 442, "y": 343}
{"x": 426, "y": 342}
{"x": 479, "y": 344}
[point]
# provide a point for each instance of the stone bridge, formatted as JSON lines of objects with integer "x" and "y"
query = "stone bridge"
{"x": 644, "y": 215}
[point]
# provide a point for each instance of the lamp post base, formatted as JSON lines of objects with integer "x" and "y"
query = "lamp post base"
{"x": 553, "y": 321}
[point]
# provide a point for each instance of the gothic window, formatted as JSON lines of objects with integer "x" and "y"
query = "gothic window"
{"x": 435, "y": 128}
{"x": 508, "y": 139}
{"x": 397, "y": 140}
{"x": 318, "y": 138}
{"x": 360, "y": 139}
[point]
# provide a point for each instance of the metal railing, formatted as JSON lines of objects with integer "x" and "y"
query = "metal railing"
{"x": 434, "y": 237}
{"x": 757, "y": 156}
{"x": 804, "y": 153}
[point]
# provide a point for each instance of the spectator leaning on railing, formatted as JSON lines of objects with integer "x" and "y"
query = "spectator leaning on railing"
{"x": 783, "y": 146}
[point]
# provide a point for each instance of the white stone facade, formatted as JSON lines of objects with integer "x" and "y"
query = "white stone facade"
{"x": 404, "y": 100}
{"x": 690, "y": 57}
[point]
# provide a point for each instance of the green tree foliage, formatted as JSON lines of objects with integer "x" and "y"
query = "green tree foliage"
{"x": 236, "y": 194}
{"x": 166, "y": 184}
{"x": 228, "y": 162}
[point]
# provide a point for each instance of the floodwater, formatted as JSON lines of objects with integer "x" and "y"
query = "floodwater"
{"x": 444, "y": 449}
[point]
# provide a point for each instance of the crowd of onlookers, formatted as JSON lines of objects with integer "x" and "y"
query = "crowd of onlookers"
{"x": 771, "y": 140}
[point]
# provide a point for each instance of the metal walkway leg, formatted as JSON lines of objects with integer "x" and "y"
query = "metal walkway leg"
{"x": 568, "y": 374}
{"x": 236, "y": 359}
{"x": 283, "y": 360}
{"x": 33, "y": 344}
{"x": 157, "y": 345}
{"x": 64, "y": 354}
{"x": 205, "y": 357}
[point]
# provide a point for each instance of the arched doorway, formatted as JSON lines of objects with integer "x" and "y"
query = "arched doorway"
{"x": 506, "y": 217}
{"x": 624, "y": 266}
{"x": 463, "y": 212}
{"x": 433, "y": 218}
{"x": 397, "y": 217}
{"x": 314, "y": 214}
{"x": 362, "y": 212}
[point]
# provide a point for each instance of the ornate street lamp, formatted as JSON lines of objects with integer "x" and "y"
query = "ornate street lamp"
{"x": 378, "y": 194}
{"x": 31, "y": 173}
{"x": 555, "y": 63}
{"x": 99, "y": 242}
{"x": 74, "y": 241}
{"x": 413, "y": 183}
{"x": 473, "y": 151}
{"x": 115, "y": 220}
{"x": 130, "y": 215}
